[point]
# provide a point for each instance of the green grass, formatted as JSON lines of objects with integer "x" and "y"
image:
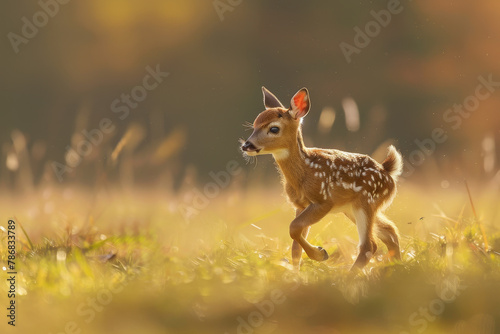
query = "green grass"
{"x": 119, "y": 262}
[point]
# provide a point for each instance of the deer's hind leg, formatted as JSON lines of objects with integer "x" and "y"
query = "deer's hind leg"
{"x": 365, "y": 219}
{"x": 388, "y": 233}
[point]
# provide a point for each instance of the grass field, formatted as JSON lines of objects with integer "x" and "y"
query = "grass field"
{"x": 128, "y": 262}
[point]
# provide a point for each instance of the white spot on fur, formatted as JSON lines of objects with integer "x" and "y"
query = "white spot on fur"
{"x": 346, "y": 185}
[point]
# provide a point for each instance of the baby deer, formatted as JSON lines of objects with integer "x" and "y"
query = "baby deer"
{"x": 319, "y": 181}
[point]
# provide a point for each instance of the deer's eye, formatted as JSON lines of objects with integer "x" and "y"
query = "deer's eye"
{"x": 274, "y": 129}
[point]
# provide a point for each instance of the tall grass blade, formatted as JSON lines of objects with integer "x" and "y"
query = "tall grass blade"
{"x": 475, "y": 216}
{"x": 26, "y": 235}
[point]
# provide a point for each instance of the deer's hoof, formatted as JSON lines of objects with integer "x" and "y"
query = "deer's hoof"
{"x": 325, "y": 254}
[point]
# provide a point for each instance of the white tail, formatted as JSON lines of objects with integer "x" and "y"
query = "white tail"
{"x": 319, "y": 181}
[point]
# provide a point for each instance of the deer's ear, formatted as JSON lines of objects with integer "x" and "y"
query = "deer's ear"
{"x": 300, "y": 104}
{"x": 270, "y": 101}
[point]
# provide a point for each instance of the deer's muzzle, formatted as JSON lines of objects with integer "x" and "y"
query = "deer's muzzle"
{"x": 249, "y": 147}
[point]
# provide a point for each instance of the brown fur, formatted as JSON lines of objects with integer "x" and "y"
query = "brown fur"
{"x": 318, "y": 181}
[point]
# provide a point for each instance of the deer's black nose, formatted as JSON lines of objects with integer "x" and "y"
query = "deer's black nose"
{"x": 248, "y": 146}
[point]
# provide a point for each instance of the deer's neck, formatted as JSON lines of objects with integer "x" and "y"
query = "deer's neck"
{"x": 291, "y": 162}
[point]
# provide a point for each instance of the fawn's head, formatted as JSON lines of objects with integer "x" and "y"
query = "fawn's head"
{"x": 275, "y": 130}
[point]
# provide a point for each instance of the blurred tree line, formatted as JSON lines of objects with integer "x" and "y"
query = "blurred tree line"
{"x": 64, "y": 80}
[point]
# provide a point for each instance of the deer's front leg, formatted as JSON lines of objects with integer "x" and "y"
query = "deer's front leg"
{"x": 311, "y": 215}
{"x": 296, "y": 247}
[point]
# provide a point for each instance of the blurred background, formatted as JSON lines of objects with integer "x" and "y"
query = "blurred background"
{"x": 63, "y": 70}
{"x": 119, "y": 155}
